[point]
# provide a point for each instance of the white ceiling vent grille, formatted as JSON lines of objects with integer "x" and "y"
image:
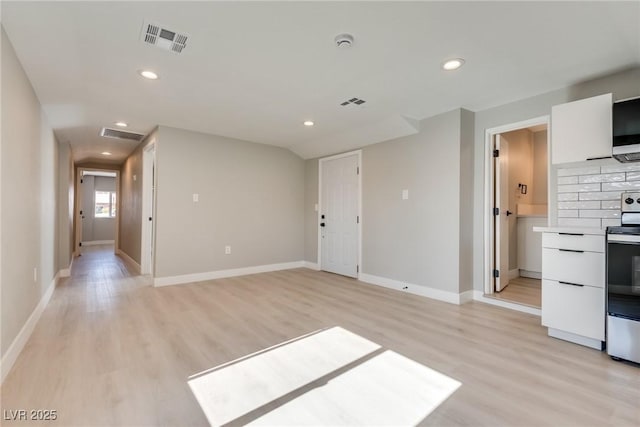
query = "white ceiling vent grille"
{"x": 163, "y": 38}
{"x": 120, "y": 134}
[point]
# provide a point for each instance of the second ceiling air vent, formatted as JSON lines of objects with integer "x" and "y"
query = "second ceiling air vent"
{"x": 120, "y": 134}
{"x": 163, "y": 38}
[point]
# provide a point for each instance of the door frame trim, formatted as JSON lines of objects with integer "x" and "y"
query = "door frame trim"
{"x": 359, "y": 228}
{"x": 489, "y": 201}
{"x": 77, "y": 203}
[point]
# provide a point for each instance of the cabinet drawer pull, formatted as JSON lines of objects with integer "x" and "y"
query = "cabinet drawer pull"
{"x": 572, "y": 284}
{"x": 571, "y": 250}
{"x": 571, "y": 234}
{"x": 599, "y": 158}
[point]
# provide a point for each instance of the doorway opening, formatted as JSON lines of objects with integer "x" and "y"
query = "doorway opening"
{"x": 516, "y": 190}
{"x": 340, "y": 214}
{"x": 148, "y": 209}
{"x": 97, "y": 206}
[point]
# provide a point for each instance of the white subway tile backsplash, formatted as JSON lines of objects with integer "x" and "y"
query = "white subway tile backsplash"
{"x": 608, "y": 195}
{"x": 620, "y": 168}
{"x": 580, "y": 222}
{"x": 568, "y": 213}
{"x": 610, "y": 204}
{"x": 590, "y": 196}
{"x": 611, "y": 223}
{"x": 590, "y": 170}
{"x": 563, "y": 197}
{"x": 592, "y": 204}
{"x": 599, "y": 213}
{"x": 564, "y": 180}
{"x": 633, "y": 176}
{"x": 624, "y": 186}
{"x": 606, "y": 177}
{"x": 578, "y": 187}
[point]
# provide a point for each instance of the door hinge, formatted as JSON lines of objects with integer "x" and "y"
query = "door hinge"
{"x": 357, "y": 170}
{"x": 357, "y": 268}
{"x": 496, "y": 211}
{"x": 81, "y": 181}
{"x": 496, "y": 273}
{"x": 496, "y": 153}
{"x": 358, "y": 219}
{"x": 80, "y": 244}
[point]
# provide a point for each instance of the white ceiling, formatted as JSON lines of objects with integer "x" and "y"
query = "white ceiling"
{"x": 256, "y": 70}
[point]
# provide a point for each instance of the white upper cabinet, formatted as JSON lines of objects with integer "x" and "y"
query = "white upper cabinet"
{"x": 581, "y": 130}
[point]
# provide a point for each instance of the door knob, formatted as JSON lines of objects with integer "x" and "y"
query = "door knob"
{"x": 509, "y": 213}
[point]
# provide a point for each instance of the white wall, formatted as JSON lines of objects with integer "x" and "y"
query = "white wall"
{"x": 251, "y": 197}
{"x": 29, "y": 180}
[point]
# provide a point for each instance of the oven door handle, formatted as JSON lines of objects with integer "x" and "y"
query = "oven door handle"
{"x": 623, "y": 238}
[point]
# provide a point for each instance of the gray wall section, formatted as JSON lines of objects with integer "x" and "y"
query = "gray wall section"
{"x": 29, "y": 181}
{"x": 310, "y": 214}
{"x": 414, "y": 240}
{"x": 623, "y": 85}
{"x": 540, "y": 159}
{"x": 251, "y": 197}
{"x": 65, "y": 205}
{"x": 130, "y": 215}
{"x": 467, "y": 120}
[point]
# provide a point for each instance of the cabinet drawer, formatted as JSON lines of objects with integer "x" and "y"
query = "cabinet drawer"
{"x": 584, "y": 268}
{"x": 575, "y": 309}
{"x": 583, "y": 242}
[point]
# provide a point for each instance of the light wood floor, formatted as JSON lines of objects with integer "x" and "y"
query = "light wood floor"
{"x": 522, "y": 290}
{"x": 111, "y": 350}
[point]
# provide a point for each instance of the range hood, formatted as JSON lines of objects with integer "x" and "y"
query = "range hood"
{"x": 626, "y": 130}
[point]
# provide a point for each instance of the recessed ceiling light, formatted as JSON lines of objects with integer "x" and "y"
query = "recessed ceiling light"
{"x": 122, "y": 124}
{"x": 308, "y": 123}
{"x": 453, "y": 64}
{"x": 148, "y": 74}
{"x": 106, "y": 153}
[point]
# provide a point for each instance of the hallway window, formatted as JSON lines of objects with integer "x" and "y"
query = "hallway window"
{"x": 105, "y": 204}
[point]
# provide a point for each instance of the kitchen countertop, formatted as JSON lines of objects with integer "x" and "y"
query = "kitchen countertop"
{"x": 575, "y": 230}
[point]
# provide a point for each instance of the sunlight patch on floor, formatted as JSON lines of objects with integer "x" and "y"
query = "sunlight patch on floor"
{"x": 378, "y": 388}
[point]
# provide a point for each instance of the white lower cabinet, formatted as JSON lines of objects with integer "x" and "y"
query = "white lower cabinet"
{"x": 573, "y": 294}
{"x": 573, "y": 309}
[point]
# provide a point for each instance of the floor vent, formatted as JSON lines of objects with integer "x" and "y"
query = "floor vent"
{"x": 355, "y": 101}
{"x": 163, "y": 38}
{"x": 120, "y": 134}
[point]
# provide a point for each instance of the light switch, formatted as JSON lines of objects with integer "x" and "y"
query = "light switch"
{"x": 316, "y": 207}
{"x": 405, "y": 194}
{"x": 135, "y": 177}
{"x": 196, "y": 197}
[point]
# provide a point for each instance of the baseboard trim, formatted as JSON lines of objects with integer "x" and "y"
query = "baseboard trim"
{"x": 577, "y": 339}
{"x": 16, "y": 347}
{"x": 423, "y": 291}
{"x": 98, "y": 242}
{"x": 311, "y": 265}
{"x": 66, "y": 272}
{"x": 531, "y": 274}
{"x": 479, "y": 296}
{"x": 122, "y": 254}
{"x": 221, "y": 274}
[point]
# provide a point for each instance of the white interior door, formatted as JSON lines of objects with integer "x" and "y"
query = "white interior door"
{"x": 339, "y": 203}
{"x": 502, "y": 219}
{"x": 148, "y": 203}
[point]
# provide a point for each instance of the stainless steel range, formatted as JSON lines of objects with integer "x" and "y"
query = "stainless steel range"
{"x": 623, "y": 282}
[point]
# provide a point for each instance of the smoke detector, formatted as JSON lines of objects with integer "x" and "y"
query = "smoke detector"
{"x": 344, "y": 40}
{"x": 163, "y": 38}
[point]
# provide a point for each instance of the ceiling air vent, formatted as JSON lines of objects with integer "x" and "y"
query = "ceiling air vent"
{"x": 120, "y": 134}
{"x": 355, "y": 101}
{"x": 163, "y": 38}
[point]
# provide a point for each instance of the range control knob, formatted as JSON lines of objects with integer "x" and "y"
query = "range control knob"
{"x": 628, "y": 200}
{"x": 638, "y": 200}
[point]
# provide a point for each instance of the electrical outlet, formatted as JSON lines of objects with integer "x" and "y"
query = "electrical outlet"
{"x": 35, "y": 274}
{"x": 227, "y": 250}
{"x": 196, "y": 197}
{"x": 405, "y": 194}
